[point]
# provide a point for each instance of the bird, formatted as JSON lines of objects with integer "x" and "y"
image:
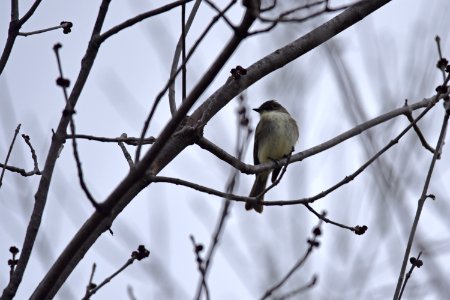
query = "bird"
{"x": 275, "y": 137}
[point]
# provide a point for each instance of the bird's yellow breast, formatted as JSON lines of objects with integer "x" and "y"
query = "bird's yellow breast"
{"x": 277, "y": 134}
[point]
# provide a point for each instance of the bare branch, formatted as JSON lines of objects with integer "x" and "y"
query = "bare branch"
{"x": 33, "y": 154}
{"x": 127, "y": 140}
{"x": 415, "y": 262}
{"x": 64, "y": 83}
{"x": 198, "y": 248}
{"x": 421, "y": 201}
{"x": 302, "y": 289}
{"x": 125, "y": 151}
{"x": 30, "y": 12}
{"x": 130, "y": 22}
{"x": 64, "y": 25}
{"x": 422, "y": 139}
{"x": 91, "y": 289}
{"x": 16, "y": 132}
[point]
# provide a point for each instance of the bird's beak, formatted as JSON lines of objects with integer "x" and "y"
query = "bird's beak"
{"x": 257, "y": 110}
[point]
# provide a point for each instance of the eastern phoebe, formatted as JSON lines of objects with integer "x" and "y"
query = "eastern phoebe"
{"x": 275, "y": 137}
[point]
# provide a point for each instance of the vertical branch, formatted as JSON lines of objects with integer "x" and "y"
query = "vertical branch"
{"x": 421, "y": 203}
{"x": 183, "y": 50}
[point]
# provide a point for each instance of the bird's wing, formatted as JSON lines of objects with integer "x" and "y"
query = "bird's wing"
{"x": 256, "y": 146}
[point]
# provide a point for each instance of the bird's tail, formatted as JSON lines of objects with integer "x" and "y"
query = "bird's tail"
{"x": 258, "y": 187}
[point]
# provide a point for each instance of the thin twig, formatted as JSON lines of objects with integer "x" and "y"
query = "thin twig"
{"x": 69, "y": 111}
{"x": 197, "y": 249}
{"x": 176, "y": 56}
{"x": 421, "y": 203}
{"x": 16, "y": 132}
{"x": 130, "y": 22}
{"x": 33, "y": 154}
{"x": 277, "y": 181}
{"x": 408, "y": 275}
{"x": 302, "y": 289}
{"x": 183, "y": 52}
{"x": 326, "y": 220}
{"x": 133, "y": 141}
{"x": 90, "y": 284}
{"x": 140, "y": 254}
{"x": 63, "y": 26}
{"x": 441, "y": 62}
{"x": 20, "y": 171}
{"x": 13, "y": 30}
{"x": 125, "y": 151}
{"x": 422, "y": 139}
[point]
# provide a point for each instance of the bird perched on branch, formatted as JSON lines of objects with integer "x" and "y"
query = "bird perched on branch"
{"x": 275, "y": 137}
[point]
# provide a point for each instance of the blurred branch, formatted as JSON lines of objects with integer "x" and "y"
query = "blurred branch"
{"x": 176, "y": 57}
{"x": 282, "y": 18}
{"x": 302, "y": 289}
{"x": 442, "y": 62}
{"x": 197, "y": 249}
{"x": 313, "y": 243}
{"x": 221, "y": 13}
{"x": 16, "y": 132}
